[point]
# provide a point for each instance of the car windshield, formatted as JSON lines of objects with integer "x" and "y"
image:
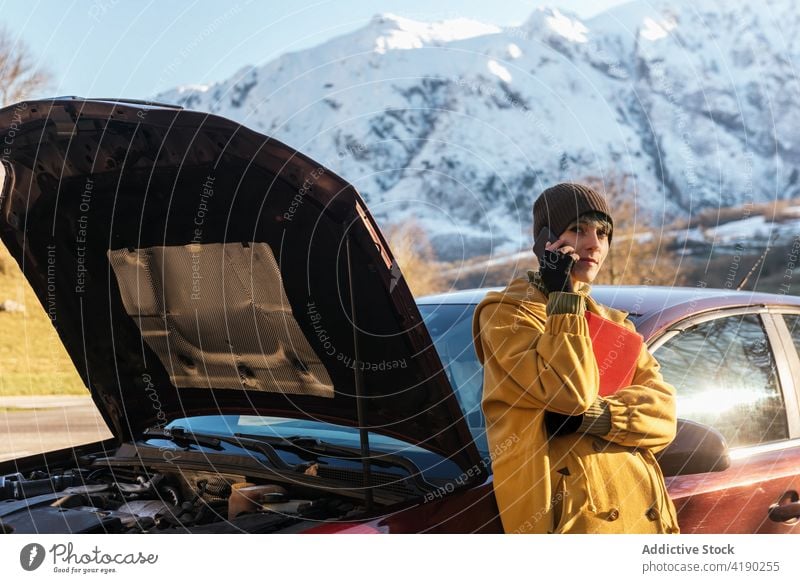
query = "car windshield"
{"x": 450, "y": 326}
{"x": 433, "y": 466}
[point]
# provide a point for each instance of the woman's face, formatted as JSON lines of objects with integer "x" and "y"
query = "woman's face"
{"x": 589, "y": 238}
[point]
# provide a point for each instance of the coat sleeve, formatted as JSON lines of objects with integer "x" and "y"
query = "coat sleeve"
{"x": 643, "y": 414}
{"x": 544, "y": 366}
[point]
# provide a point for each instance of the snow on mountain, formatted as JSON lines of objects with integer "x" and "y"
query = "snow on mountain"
{"x": 402, "y": 33}
{"x": 460, "y": 124}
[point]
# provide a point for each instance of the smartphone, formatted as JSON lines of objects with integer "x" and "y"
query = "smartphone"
{"x": 544, "y": 237}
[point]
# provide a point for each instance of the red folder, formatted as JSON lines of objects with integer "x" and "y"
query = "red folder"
{"x": 616, "y": 350}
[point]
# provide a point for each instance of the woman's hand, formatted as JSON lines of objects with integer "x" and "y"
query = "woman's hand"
{"x": 556, "y": 266}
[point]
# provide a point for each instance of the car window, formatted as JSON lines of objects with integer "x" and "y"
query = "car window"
{"x": 793, "y": 323}
{"x": 725, "y": 375}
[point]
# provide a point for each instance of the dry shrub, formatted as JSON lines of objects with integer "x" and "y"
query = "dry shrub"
{"x": 640, "y": 254}
{"x": 415, "y": 257}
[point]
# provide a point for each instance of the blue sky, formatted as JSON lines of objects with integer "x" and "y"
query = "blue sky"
{"x": 112, "y": 48}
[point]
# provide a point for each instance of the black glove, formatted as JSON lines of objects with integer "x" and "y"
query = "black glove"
{"x": 555, "y": 269}
{"x": 557, "y": 424}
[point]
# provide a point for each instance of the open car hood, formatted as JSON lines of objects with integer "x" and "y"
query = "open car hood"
{"x": 192, "y": 266}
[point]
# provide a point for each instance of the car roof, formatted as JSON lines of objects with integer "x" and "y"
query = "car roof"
{"x": 655, "y": 306}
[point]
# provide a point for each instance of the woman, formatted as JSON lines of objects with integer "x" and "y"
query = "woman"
{"x": 581, "y": 463}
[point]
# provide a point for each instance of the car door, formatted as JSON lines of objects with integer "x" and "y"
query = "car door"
{"x": 732, "y": 371}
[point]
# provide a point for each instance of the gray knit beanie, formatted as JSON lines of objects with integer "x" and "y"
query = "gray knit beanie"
{"x": 560, "y": 205}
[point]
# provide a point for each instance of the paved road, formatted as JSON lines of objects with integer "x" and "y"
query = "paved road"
{"x": 30, "y": 425}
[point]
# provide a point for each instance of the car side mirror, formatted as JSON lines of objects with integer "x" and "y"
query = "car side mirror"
{"x": 696, "y": 449}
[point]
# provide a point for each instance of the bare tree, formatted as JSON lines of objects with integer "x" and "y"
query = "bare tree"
{"x": 19, "y": 76}
{"x": 415, "y": 256}
{"x": 18, "y": 79}
{"x": 640, "y": 253}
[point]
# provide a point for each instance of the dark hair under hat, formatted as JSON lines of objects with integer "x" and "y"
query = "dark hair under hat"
{"x": 560, "y": 205}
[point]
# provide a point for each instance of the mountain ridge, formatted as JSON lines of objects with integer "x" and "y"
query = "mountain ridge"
{"x": 459, "y": 124}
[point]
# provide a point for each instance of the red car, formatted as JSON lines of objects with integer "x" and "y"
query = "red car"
{"x": 251, "y": 344}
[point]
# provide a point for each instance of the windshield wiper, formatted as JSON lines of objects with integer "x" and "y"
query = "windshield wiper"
{"x": 180, "y": 436}
{"x": 267, "y": 445}
{"x": 318, "y": 447}
{"x": 184, "y": 438}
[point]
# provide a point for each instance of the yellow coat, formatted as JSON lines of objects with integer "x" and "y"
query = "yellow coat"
{"x": 577, "y": 483}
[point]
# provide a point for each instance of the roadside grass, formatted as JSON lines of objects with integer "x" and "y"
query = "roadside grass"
{"x": 32, "y": 359}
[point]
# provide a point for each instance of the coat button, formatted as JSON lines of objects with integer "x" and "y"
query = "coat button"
{"x": 613, "y": 514}
{"x": 597, "y": 446}
{"x": 651, "y": 514}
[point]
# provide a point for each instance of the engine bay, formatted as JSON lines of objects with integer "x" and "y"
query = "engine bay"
{"x": 138, "y": 499}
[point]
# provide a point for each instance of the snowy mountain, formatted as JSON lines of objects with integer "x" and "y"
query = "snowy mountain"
{"x": 461, "y": 124}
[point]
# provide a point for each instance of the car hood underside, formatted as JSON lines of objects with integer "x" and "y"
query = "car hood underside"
{"x": 192, "y": 266}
